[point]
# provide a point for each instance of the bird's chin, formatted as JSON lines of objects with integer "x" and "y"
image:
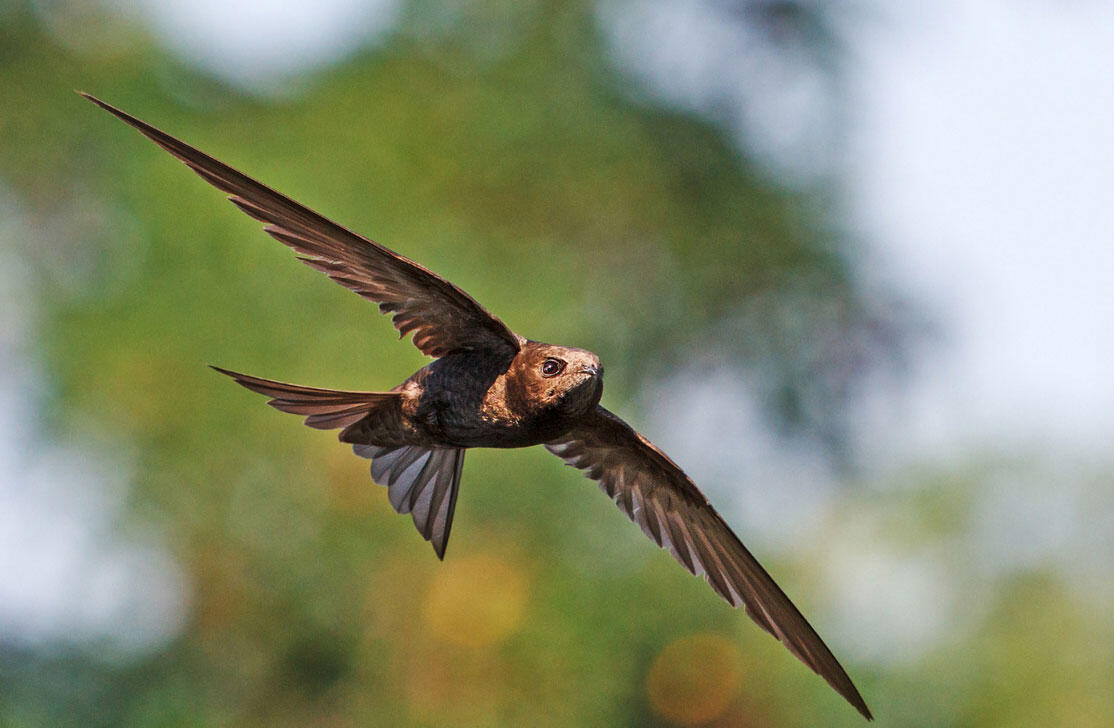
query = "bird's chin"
{"x": 583, "y": 397}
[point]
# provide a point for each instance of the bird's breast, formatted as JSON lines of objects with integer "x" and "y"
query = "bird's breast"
{"x": 464, "y": 401}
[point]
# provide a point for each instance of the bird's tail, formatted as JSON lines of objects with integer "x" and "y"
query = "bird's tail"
{"x": 325, "y": 409}
{"x": 422, "y": 478}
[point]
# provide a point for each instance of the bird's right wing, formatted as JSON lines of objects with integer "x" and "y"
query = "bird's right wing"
{"x": 657, "y": 495}
{"x": 442, "y": 317}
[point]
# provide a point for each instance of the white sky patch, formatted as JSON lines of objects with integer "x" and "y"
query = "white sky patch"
{"x": 67, "y": 577}
{"x": 258, "y": 43}
{"x": 770, "y": 489}
{"x": 67, "y": 573}
{"x": 891, "y": 605}
{"x": 697, "y": 55}
{"x": 982, "y": 171}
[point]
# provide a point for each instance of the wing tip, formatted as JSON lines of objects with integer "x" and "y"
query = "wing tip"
{"x": 852, "y": 696}
{"x": 225, "y": 372}
{"x": 105, "y": 105}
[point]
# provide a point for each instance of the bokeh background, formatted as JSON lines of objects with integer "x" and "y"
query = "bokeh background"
{"x": 848, "y": 263}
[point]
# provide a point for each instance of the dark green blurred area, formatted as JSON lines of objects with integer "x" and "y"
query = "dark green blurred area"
{"x": 577, "y": 212}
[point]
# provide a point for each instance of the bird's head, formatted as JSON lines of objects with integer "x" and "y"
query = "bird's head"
{"x": 560, "y": 377}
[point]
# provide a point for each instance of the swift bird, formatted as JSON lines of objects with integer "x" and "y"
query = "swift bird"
{"x": 490, "y": 387}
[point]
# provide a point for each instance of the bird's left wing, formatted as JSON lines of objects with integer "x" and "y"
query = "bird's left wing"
{"x": 671, "y": 510}
{"x": 442, "y": 317}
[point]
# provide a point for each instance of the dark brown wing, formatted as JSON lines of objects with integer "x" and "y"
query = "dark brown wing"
{"x": 442, "y": 317}
{"x": 657, "y": 495}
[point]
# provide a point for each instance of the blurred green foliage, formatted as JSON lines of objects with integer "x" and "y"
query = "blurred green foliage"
{"x": 507, "y": 156}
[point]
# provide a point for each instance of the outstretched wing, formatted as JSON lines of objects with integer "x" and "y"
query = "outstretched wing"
{"x": 657, "y": 495}
{"x": 442, "y": 317}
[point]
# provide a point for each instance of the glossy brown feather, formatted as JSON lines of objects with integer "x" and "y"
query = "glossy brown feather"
{"x": 442, "y": 317}
{"x": 656, "y": 494}
{"x": 325, "y": 409}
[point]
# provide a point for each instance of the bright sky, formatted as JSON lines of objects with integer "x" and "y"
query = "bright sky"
{"x": 262, "y": 41}
{"x": 982, "y": 169}
{"x": 979, "y": 174}
{"x": 64, "y": 573}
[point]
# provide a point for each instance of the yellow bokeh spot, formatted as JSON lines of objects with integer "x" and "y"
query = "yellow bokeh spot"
{"x": 451, "y": 685}
{"x": 476, "y": 600}
{"x": 695, "y": 678}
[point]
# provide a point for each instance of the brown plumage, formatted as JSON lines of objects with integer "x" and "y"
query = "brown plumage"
{"x": 489, "y": 387}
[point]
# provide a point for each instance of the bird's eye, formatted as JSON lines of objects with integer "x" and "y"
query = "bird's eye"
{"x": 552, "y": 367}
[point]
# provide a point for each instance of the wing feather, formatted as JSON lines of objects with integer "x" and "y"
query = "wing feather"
{"x": 672, "y": 511}
{"x": 442, "y": 317}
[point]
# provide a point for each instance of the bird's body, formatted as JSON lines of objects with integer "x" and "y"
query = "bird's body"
{"x": 471, "y": 399}
{"x": 490, "y": 387}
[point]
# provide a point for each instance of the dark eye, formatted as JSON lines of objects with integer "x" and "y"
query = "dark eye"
{"x": 552, "y": 367}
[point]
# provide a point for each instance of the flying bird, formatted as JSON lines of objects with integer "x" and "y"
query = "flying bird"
{"x": 490, "y": 387}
